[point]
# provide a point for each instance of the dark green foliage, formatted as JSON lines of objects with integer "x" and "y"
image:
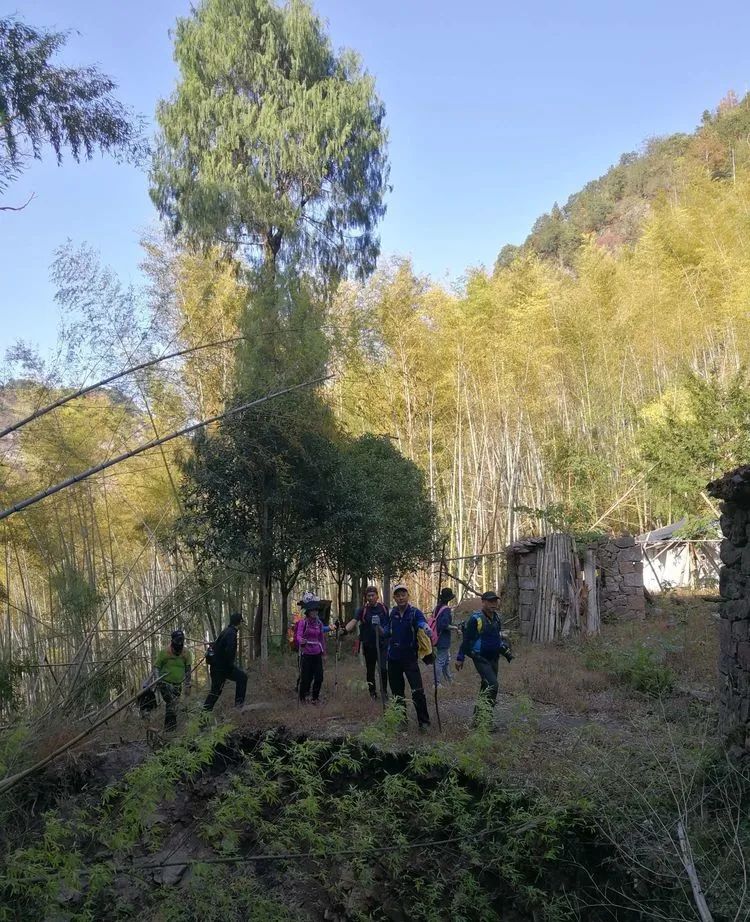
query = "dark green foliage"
{"x": 259, "y": 487}
{"x": 42, "y": 103}
{"x": 272, "y": 142}
{"x": 78, "y": 600}
{"x": 368, "y": 834}
{"x": 698, "y": 431}
{"x": 382, "y": 520}
{"x": 11, "y": 673}
{"x": 643, "y": 668}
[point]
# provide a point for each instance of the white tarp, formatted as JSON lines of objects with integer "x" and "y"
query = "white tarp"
{"x": 680, "y": 564}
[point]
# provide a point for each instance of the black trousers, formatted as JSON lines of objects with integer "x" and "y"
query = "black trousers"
{"x": 487, "y": 667}
{"x": 219, "y": 676}
{"x": 398, "y": 674}
{"x": 370, "y": 652}
{"x": 171, "y": 695}
{"x": 311, "y": 672}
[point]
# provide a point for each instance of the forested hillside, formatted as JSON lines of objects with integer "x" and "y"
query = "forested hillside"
{"x": 597, "y": 375}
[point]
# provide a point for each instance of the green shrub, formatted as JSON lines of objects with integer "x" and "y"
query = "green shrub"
{"x": 640, "y": 667}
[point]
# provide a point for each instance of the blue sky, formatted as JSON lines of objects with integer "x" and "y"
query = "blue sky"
{"x": 495, "y": 111}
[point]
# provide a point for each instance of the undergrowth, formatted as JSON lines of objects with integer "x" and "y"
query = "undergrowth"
{"x": 640, "y": 666}
{"x": 344, "y": 830}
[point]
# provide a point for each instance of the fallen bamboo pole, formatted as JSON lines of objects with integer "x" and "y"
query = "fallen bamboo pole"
{"x": 42, "y": 411}
{"x": 154, "y": 443}
{"x": 7, "y": 783}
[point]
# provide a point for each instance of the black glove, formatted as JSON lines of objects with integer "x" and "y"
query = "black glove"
{"x": 429, "y": 659}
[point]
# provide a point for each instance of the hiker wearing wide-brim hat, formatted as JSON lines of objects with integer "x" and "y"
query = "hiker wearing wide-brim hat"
{"x": 220, "y": 657}
{"x": 484, "y": 643}
{"x": 310, "y": 640}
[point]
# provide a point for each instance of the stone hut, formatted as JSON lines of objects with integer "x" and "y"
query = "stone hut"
{"x": 613, "y": 567}
{"x": 619, "y": 562}
{"x": 734, "y": 586}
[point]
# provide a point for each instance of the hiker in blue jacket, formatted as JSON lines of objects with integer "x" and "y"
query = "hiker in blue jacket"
{"x": 441, "y": 623}
{"x": 403, "y": 624}
{"x": 483, "y": 642}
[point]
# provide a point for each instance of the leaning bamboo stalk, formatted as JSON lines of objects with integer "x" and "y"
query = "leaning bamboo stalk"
{"x": 7, "y": 783}
{"x": 154, "y": 443}
{"x": 42, "y": 411}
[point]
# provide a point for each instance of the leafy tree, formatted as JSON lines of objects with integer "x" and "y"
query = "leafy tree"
{"x": 272, "y": 142}
{"x": 382, "y": 520}
{"x": 691, "y": 435}
{"x": 42, "y": 103}
{"x": 258, "y": 497}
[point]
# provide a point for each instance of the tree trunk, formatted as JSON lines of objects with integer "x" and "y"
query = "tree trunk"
{"x": 258, "y": 621}
{"x": 285, "y": 590}
{"x": 387, "y": 587}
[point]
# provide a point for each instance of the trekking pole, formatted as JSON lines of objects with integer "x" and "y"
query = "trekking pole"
{"x": 380, "y": 670}
{"x": 336, "y": 665}
{"x": 434, "y": 655}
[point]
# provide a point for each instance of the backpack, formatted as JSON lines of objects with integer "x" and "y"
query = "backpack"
{"x": 432, "y": 624}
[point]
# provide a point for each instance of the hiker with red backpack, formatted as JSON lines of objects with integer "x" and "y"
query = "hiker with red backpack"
{"x": 369, "y": 639}
{"x": 310, "y": 640}
{"x": 440, "y": 627}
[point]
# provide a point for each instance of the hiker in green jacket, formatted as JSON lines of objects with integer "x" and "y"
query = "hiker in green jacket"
{"x": 174, "y": 664}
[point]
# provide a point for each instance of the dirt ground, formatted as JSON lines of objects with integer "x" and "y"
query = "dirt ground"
{"x": 550, "y": 696}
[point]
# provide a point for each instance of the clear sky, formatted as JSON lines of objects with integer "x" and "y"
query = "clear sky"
{"x": 496, "y": 110}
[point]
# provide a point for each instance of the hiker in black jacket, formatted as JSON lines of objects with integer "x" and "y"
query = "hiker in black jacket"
{"x": 368, "y": 639}
{"x": 222, "y": 665}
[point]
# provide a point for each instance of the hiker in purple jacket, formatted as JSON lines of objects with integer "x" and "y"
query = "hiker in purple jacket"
{"x": 310, "y": 640}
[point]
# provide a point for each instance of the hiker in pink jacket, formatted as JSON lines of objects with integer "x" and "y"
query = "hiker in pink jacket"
{"x": 310, "y": 640}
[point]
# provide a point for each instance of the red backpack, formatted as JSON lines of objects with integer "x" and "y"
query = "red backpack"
{"x": 432, "y": 624}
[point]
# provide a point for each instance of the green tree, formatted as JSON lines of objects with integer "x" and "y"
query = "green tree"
{"x": 382, "y": 521}
{"x": 42, "y": 103}
{"x": 258, "y": 497}
{"x": 691, "y": 435}
{"x": 272, "y": 142}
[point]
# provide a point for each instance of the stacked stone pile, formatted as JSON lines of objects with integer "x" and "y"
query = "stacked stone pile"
{"x": 734, "y": 586}
{"x": 620, "y": 563}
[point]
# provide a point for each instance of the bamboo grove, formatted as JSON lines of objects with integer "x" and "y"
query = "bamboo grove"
{"x": 595, "y": 379}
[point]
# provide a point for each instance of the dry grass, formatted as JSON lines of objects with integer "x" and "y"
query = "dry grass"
{"x": 549, "y": 695}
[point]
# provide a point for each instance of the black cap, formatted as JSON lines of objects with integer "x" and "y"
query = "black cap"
{"x": 236, "y": 618}
{"x": 313, "y": 605}
{"x": 178, "y": 635}
{"x": 490, "y": 596}
{"x": 446, "y": 594}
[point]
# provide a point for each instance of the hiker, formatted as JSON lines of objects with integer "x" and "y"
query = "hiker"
{"x": 441, "y": 627}
{"x": 369, "y": 639}
{"x": 406, "y": 633}
{"x": 310, "y": 639}
{"x": 175, "y": 665}
{"x": 220, "y": 658}
{"x": 483, "y": 642}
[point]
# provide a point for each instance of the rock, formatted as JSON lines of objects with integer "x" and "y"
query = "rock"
{"x": 625, "y": 541}
{"x": 729, "y": 554}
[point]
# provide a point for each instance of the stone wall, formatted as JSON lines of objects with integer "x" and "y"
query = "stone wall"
{"x": 734, "y": 586}
{"x": 521, "y": 582}
{"x": 620, "y": 564}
